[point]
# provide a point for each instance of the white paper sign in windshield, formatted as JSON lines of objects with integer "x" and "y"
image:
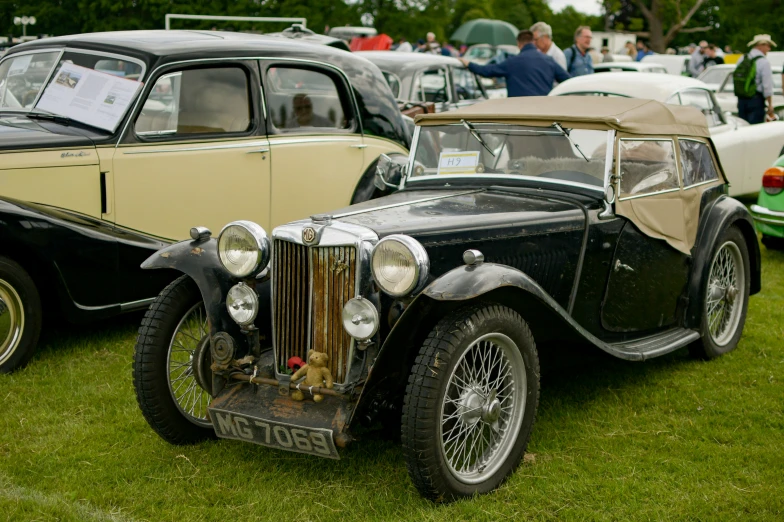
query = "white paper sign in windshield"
{"x": 92, "y": 97}
{"x": 458, "y": 162}
{"x": 20, "y": 65}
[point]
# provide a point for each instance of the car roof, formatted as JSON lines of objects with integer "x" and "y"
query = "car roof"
{"x": 655, "y": 86}
{"x": 156, "y": 43}
{"x": 628, "y": 65}
{"x": 631, "y": 115}
{"x": 400, "y": 63}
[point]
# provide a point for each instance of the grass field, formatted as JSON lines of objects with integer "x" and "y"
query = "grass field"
{"x": 669, "y": 439}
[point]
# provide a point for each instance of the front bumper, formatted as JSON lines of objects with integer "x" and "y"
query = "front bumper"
{"x": 769, "y": 222}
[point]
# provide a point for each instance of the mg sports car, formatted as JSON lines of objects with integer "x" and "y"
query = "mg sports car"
{"x": 520, "y": 221}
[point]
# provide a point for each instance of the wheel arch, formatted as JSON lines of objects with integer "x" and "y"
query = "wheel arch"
{"x": 487, "y": 283}
{"x": 724, "y": 213}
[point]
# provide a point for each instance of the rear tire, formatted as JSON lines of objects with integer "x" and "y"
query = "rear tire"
{"x": 20, "y": 316}
{"x": 725, "y": 296}
{"x": 470, "y": 403}
{"x": 172, "y": 333}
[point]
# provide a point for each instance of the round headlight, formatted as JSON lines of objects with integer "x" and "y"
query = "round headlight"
{"x": 242, "y": 304}
{"x": 360, "y": 319}
{"x": 400, "y": 265}
{"x": 243, "y": 248}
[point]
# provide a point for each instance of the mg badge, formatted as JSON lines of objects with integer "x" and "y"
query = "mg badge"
{"x": 309, "y": 235}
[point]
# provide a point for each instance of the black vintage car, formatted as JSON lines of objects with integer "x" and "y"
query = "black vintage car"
{"x": 520, "y": 223}
{"x": 108, "y": 141}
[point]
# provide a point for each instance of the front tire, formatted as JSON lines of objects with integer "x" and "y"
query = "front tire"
{"x": 725, "y": 296}
{"x": 20, "y": 316}
{"x": 166, "y": 360}
{"x": 470, "y": 403}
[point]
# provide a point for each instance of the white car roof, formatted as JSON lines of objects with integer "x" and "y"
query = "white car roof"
{"x": 635, "y": 66}
{"x": 654, "y": 86}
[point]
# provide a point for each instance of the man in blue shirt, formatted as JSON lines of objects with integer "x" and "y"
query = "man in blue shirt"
{"x": 530, "y": 73}
{"x": 578, "y": 61}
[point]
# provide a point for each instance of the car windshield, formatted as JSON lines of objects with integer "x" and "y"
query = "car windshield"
{"x": 95, "y": 89}
{"x": 480, "y": 53}
{"x": 544, "y": 153}
{"x": 714, "y": 76}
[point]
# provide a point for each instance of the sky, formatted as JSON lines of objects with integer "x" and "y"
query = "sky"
{"x": 592, "y": 7}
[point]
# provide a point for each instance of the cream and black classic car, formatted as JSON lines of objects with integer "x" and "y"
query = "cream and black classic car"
{"x": 110, "y": 143}
{"x": 520, "y": 223}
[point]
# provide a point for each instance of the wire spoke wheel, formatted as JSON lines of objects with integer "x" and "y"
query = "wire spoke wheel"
{"x": 191, "y": 399}
{"x": 482, "y": 408}
{"x": 725, "y": 297}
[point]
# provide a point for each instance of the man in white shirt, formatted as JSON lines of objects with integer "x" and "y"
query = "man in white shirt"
{"x": 404, "y": 46}
{"x": 543, "y": 39}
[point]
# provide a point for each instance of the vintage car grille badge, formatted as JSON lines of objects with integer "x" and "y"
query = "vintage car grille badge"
{"x": 311, "y": 234}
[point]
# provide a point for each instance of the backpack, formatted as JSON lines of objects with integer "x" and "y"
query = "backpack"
{"x": 572, "y": 56}
{"x": 744, "y": 78}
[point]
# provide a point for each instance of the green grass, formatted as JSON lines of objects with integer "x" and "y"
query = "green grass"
{"x": 669, "y": 439}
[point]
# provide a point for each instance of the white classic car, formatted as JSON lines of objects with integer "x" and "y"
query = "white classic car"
{"x": 629, "y": 66}
{"x": 744, "y": 150}
{"x": 719, "y": 79}
{"x": 676, "y": 64}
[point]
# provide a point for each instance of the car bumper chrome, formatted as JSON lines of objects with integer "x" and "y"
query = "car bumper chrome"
{"x": 767, "y": 216}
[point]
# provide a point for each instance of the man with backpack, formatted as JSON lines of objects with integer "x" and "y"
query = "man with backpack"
{"x": 578, "y": 61}
{"x": 753, "y": 81}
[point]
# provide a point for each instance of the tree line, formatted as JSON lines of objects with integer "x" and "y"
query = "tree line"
{"x": 663, "y": 23}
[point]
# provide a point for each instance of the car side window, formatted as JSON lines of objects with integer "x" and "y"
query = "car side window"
{"x": 212, "y": 100}
{"x": 394, "y": 83}
{"x": 696, "y": 163}
{"x": 702, "y": 100}
{"x": 432, "y": 86}
{"x": 466, "y": 85}
{"x": 301, "y": 99}
{"x": 647, "y": 166}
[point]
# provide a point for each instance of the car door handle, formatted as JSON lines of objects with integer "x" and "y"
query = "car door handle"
{"x": 256, "y": 151}
{"x": 359, "y": 146}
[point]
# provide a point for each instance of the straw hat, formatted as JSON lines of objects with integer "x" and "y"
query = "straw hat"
{"x": 762, "y": 38}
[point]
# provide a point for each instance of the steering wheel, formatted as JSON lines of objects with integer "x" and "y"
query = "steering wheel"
{"x": 572, "y": 175}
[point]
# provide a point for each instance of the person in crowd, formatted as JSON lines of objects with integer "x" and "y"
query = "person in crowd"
{"x": 543, "y": 40}
{"x": 596, "y": 56}
{"x": 642, "y": 51}
{"x": 578, "y": 61}
{"x": 431, "y": 46}
{"x": 630, "y": 50}
{"x": 670, "y": 51}
{"x": 449, "y": 50}
{"x": 530, "y": 73}
{"x": 712, "y": 57}
{"x": 607, "y": 55}
{"x": 753, "y": 109}
{"x": 728, "y": 49}
{"x": 404, "y": 46}
{"x": 696, "y": 62}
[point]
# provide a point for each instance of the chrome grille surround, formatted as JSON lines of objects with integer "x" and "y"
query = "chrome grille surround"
{"x": 292, "y": 319}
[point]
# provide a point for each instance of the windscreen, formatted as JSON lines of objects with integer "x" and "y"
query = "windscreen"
{"x": 532, "y": 152}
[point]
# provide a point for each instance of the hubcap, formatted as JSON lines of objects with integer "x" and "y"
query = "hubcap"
{"x": 482, "y": 408}
{"x": 191, "y": 398}
{"x": 725, "y": 299}
{"x": 12, "y": 320}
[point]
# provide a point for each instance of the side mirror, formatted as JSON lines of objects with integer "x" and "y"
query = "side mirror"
{"x": 609, "y": 199}
{"x": 385, "y": 170}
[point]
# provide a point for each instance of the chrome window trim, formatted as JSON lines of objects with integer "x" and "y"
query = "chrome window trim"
{"x": 399, "y": 83}
{"x": 230, "y": 59}
{"x": 674, "y": 157}
{"x": 608, "y": 160}
{"x": 254, "y": 143}
{"x": 717, "y": 178}
{"x": 335, "y": 234}
{"x": 548, "y": 181}
{"x": 320, "y": 139}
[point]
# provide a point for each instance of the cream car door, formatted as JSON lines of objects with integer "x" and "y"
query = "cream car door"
{"x": 316, "y": 144}
{"x": 197, "y": 155}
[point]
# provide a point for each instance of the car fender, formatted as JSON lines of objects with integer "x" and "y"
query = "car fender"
{"x": 722, "y": 213}
{"x": 488, "y": 282}
{"x": 747, "y": 152}
{"x": 366, "y": 187}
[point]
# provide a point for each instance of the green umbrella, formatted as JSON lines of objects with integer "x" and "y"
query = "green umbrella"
{"x": 482, "y": 30}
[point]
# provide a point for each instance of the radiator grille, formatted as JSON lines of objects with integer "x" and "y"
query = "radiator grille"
{"x": 324, "y": 276}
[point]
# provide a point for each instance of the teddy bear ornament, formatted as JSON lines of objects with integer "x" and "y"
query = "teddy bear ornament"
{"x": 316, "y": 374}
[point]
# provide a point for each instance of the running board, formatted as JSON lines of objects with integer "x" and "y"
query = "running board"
{"x": 654, "y": 345}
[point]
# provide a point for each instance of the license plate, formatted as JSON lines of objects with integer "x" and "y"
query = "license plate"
{"x": 289, "y": 437}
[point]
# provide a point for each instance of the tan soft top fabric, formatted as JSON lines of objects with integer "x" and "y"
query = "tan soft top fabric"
{"x": 631, "y": 115}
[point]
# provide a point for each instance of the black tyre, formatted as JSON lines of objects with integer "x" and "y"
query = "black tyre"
{"x": 773, "y": 243}
{"x": 168, "y": 359}
{"x": 20, "y": 316}
{"x": 470, "y": 402}
{"x": 724, "y": 296}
